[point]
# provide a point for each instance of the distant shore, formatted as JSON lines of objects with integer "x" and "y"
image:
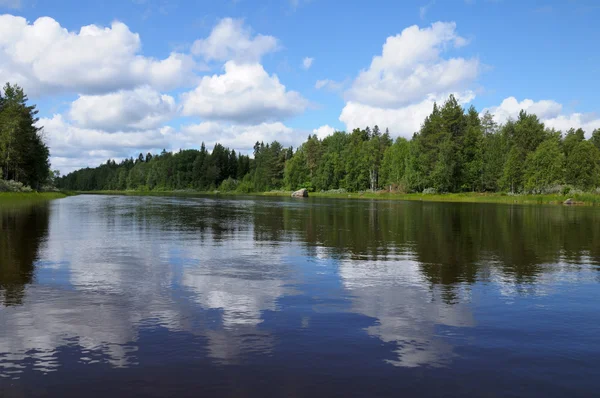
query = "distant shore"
{"x": 584, "y": 199}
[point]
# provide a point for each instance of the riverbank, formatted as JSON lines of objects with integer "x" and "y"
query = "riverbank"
{"x": 18, "y": 198}
{"x": 585, "y": 199}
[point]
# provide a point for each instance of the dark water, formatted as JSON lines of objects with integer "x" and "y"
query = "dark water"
{"x": 132, "y": 296}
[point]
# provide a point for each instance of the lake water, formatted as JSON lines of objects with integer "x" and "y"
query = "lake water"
{"x": 254, "y": 297}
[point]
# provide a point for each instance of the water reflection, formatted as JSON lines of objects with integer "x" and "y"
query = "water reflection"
{"x": 22, "y": 231}
{"x": 408, "y": 313}
{"x": 239, "y": 281}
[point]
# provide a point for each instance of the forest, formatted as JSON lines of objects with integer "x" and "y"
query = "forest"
{"x": 24, "y": 156}
{"x": 455, "y": 150}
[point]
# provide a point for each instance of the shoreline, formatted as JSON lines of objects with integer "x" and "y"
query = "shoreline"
{"x": 24, "y": 198}
{"x": 585, "y": 199}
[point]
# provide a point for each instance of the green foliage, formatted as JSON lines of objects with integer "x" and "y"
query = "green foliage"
{"x": 572, "y": 138}
{"x": 229, "y": 185}
{"x": 595, "y": 139}
{"x": 13, "y": 186}
{"x": 583, "y": 166}
{"x": 544, "y": 168}
{"x": 395, "y": 158}
{"x": 512, "y": 177}
{"x": 23, "y": 153}
{"x": 454, "y": 151}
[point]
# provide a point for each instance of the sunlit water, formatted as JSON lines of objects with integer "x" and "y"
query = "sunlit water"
{"x": 254, "y": 297}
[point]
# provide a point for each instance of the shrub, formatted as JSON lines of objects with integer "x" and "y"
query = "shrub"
{"x": 229, "y": 185}
{"x": 429, "y": 191}
{"x": 13, "y": 186}
{"x": 245, "y": 187}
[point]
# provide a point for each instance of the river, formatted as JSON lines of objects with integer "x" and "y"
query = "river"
{"x": 258, "y": 296}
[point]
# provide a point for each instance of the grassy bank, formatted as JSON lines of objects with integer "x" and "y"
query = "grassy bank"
{"x": 588, "y": 199}
{"x": 18, "y": 198}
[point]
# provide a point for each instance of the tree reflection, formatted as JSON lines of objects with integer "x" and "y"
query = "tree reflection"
{"x": 453, "y": 243}
{"x": 22, "y": 231}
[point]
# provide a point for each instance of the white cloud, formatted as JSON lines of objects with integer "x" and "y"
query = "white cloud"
{"x": 74, "y": 147}
{"x": 324, "y": 131}
{"x": 139, "y": 109}
{"x": 231, "y": 40}
{"x": 244, "y": 93}
{"x": 411, "y": 68}
{"x": 44, "y": 57}
{"x": 330, "y": 85}
{"x": 549, "y": 111}
{"x": 401, "y": 121}
{"x": 398, "y": 89}
{"x": 307, "y": 62}
{"x": 510, "y": 108}
{"x": 239, "y": 137}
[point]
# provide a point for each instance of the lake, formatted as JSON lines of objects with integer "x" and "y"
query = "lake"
{"x": 258, "y": 296}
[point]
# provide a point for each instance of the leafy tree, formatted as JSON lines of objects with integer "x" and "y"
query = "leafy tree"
{"x": 595, "y": 139}
{"x": 494, "y": 153}
{"x": 454, "y": 150}
{"x": 472, "y": 152}
{"x": 394, "y": 163}
{"x": 512, "y": 177}
{"x": 583, "y": 166}
{"x": 544, "y": 168}
{"x": 572, "y": 138}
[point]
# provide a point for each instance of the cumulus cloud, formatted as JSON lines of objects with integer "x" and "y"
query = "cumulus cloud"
{"x": 404, "y": 121}
{"x": 510, "y": 108}
{"x": 244, "y": 93}
{"x": 408, "y": 75}
{"x": 44, "y": 57}
{"x": 324, "y": 131}
{"x": 142, "y": 108}
{"x": 231, "y": 40}
{"x": 307, "y": 62}
{"x": 411, "y": 68}
{"x": 73, "y": 147}
{"x": 549, "y": 111}
{"x": 239, "y": 137}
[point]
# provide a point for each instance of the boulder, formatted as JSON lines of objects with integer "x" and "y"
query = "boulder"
{"x": 569, "y": 202}
{"x": 302, "y": 193}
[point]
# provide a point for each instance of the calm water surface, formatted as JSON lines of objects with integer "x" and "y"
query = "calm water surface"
{"x": 254, "y": 297}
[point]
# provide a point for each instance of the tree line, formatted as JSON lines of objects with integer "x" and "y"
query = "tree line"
{"x": 24, "y": 157}
{"x": 455, "y": 150}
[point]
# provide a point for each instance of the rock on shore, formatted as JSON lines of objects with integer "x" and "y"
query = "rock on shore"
{"x": 302, "y": 193}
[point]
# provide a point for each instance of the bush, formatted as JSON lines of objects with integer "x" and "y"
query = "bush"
{"x": 245, "y": 187}
{"x": 13, "y": 186}
{"x": 229, "y": 185}
{"x": 429, "y": 191}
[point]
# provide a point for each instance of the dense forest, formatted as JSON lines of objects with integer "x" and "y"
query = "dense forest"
{"x": 24, "y": 157}
{"x": 455, "y": 150}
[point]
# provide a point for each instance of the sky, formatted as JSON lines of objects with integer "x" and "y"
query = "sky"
{"x": 112, "y": 79}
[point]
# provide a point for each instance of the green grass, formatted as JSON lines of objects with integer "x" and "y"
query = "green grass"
{"x": 581, "y": 199}
{"x": 24, "y": 198}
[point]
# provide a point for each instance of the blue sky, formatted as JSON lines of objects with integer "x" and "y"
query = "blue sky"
{"x": 498, "y": 55}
